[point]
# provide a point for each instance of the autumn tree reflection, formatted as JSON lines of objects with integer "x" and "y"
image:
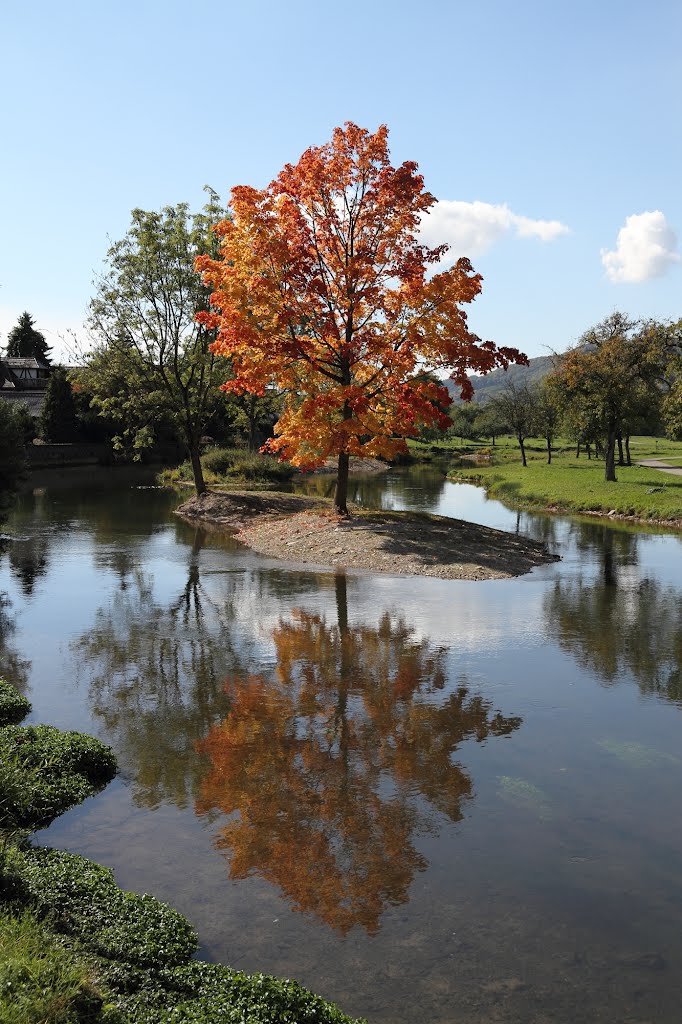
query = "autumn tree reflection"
{"x": 321, "y": 768}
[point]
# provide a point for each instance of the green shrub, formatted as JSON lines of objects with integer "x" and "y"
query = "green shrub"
{"x": 232, "y": 466}
{"x": 43, "y": 981}
{"x": 44, "y": 771}
{"x": 219, "y": 460}
{"x": 13, "y": 706}
{"x": 244, "y": 465}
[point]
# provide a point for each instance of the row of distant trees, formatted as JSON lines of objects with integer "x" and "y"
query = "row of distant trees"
{"x": 624, "y": 377}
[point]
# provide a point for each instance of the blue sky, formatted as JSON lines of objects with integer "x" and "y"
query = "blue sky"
{"x": 551, "y": 135}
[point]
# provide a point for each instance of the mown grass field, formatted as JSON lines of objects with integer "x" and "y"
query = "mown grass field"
{"x": 577, "y": 484}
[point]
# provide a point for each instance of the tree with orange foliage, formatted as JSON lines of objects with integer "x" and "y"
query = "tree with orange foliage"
{"x": 322, "y": 288}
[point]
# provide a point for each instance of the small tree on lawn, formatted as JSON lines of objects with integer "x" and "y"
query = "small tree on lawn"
{"x": 322, "y": 289}
{"x": 490, "y": 423}
{"x": 517, "y": 405}
{"x": 617, "y": 369}
{"x": 549, "y": 412}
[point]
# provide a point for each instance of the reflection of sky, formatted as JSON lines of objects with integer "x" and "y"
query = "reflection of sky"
{"x": 601, "y": 760}
{"x": 481, "y": 618}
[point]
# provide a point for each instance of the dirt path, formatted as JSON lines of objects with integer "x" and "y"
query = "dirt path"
{"x": 299, "y": 529}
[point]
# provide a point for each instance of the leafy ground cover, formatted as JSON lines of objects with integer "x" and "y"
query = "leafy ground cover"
{"x": 13, "y": 705}
{"x": 44, "y": 771}
{"x": 77, "y": 949}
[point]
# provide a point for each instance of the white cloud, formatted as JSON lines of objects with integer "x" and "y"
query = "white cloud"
{"x": 471, "y": 228}
{"x": 645, "y": 248}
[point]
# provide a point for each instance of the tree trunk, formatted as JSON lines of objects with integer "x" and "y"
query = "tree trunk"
{"x": 549, "y": 451}
{"x": 577, "y": 450}
{"x": 523, "y": 452}
{"x": 197, "y": 470}
{"x": 341, "y": 492}
{"x": 621, "y": 458}
{"x": 610, "y": 460}
{"x": 588, "y": 449}
{"x": 493, "y": 437}
{"x": 628, "y": 458}
{"x": 251, "y": 414}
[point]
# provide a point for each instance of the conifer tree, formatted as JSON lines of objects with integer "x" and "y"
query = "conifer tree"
{"x": 25, "y": 341}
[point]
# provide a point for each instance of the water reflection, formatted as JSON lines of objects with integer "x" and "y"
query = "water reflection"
{"x": 155, "y": 671}
{"x": 321, "y": 768}
{"x": 618, "y": 621}
{"x": 28, "y": 559}
{"x": 13, "y": 666}
{"x": 419, "y": 489}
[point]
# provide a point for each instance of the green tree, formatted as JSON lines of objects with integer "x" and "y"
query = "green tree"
{"x": 58, "y": 415}
{"x": 549, "y": 412}
{"x": 12, "y": 452}
{"x": 489, "y": 422}
{"x": 517, "y": 405}
{"x": 24, "y": 340}
{"x": 152, "y": 364}
{"x": 462, "y": 426}
{"x": 615, "y": 372}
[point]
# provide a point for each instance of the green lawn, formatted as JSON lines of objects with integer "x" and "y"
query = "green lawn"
{"x": 579, "y": 485}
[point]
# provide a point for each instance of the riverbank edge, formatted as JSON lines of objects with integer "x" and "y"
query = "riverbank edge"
{"x": 494, "y": 487}
{"x": 131, "y": 955}
{"x": 297, "y": 528}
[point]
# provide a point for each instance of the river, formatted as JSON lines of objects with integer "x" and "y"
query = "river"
{"x": 427, "y": 800}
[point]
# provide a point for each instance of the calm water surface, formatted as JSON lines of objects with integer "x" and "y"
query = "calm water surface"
{"x": 428, "y": 800}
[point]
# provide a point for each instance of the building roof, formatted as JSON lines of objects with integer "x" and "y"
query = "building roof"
{"x": 25, "y": 363}
{"x": 33, "y": 400}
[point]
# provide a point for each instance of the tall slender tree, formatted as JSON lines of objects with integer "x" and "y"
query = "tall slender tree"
{"x": 153, "y": 363}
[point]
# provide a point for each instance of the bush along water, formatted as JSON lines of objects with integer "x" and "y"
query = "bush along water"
{"x": 77, "y": 949}
{"x": 234, "y": 467}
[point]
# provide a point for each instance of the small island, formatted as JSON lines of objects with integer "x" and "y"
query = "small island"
{"x": 303, "y": 529}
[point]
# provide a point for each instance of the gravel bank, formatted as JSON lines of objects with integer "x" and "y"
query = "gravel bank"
{"x": 300, "y": 529}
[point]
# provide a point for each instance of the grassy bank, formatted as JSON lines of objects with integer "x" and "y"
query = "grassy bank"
{"x": 77, "y": 949}
{"x": 578, "y": 485}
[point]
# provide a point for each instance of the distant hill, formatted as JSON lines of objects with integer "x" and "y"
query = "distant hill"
{"x": 493, "y": 383}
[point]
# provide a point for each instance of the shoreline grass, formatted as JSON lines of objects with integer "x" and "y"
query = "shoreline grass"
{"x": 578, "y": 485}
{"x": 77, "y": 949}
